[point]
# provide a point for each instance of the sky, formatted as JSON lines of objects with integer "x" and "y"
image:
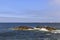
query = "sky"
{"x": 29, "y": 10}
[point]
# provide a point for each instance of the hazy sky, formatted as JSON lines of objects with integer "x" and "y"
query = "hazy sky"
{"x": 29, "y": 10}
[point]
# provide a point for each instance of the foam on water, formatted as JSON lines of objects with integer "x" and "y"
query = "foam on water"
{"x": 55, "y": 31}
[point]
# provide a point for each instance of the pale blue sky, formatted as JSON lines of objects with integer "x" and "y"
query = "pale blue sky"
{"x": 30, "y": 10}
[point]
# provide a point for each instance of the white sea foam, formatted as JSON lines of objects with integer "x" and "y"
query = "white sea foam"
{"x": 30, "y": 29}
{"x": 43, "y": 29}
{"x": 39, "y": 29}
{"x": 55, "y": 31}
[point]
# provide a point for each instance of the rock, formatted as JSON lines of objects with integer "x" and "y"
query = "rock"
{"x": 50, "y": 28}
{"x": 22, "y": 28}
{"x": 47, "y": 28}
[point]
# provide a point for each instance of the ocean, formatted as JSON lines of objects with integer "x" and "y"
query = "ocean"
{"x": 7, "y": 34}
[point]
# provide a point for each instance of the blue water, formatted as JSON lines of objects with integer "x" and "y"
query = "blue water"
{"x": 7, "y": 34}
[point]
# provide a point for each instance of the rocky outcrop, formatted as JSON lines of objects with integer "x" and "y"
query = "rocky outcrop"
{"x": 47, "y": 27}
{"x": 35, "y": 28}
{"x": 50, "y": 28}
{"x": 22, "y": 28}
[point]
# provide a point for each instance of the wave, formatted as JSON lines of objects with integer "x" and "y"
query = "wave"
{"x": 42, "y": 29}
{"x": 55, "y": 31}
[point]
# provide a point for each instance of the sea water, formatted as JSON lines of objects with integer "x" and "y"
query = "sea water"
{"x": 7, "y": 34}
